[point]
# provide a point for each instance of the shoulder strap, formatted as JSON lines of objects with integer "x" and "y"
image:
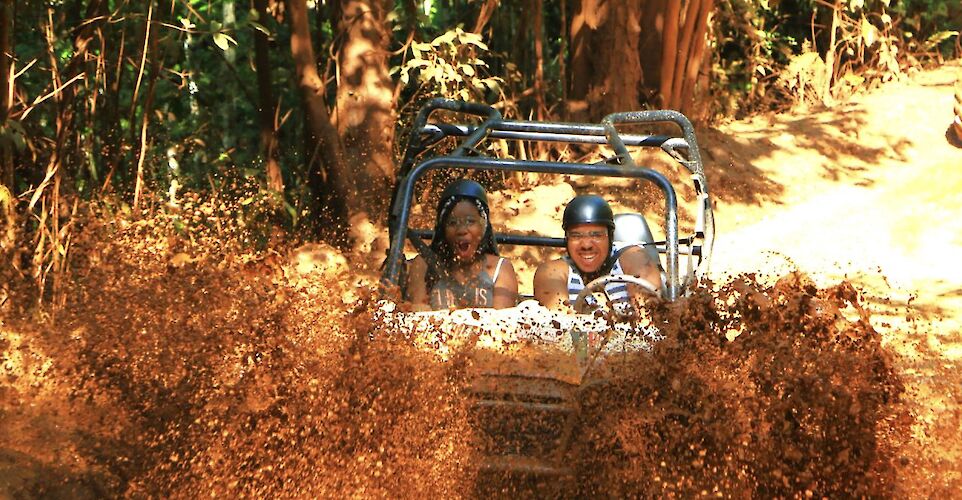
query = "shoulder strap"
{"x": 497, "y": 270}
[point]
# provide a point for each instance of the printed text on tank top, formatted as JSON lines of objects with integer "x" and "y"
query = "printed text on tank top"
{"x": 475, "y": 291}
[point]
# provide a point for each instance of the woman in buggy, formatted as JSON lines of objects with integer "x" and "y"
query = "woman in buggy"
{"x": 461, "y": 267}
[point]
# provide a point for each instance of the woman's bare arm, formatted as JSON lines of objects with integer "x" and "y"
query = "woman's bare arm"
{"x": 506, "y": 288}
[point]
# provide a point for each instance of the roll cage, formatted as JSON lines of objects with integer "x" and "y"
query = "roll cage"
{"x": 418, "y": 160}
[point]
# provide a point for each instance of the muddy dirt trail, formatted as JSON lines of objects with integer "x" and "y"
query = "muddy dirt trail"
{"x": 182, "y": 364}
{"x": 870, "y": 192}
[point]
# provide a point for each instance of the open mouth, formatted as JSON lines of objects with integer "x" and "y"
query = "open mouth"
{"x": 588, "y": 262}
{"x": 588, "y": 257}
{"x": 463, "y": 247}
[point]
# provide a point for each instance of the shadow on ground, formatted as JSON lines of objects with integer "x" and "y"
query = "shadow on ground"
{"x": 836, "y": 149}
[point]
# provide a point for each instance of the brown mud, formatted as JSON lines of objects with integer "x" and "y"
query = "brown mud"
{"x": 171, "y": 378}
{"x": 183, "y": 364}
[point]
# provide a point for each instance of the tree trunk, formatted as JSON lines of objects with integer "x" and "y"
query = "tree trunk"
{"x": 537, "y": 26}
{"x": 522, "y": 46}
{"x": 605, "y": 68}
{"x": 580, "y": 57}
{"x": 669, "y": 52}
{"x": 650, "y": 43}
{"x": 484, "y": 15}
{"x": 6, "y": 92}
{"x": 691, "y": 16}
{"x": 266, "y": 104}
{"x": 330, "y": 185}
{"x": 695, "y": 54}
{"x": 365, "y": 98}
{"x": 826, "y": 91}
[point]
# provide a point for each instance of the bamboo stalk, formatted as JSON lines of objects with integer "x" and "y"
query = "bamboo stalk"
{"x": 7, "y": 167}
{"x": 145, "y": 115}
{"x": 143, "y": 61}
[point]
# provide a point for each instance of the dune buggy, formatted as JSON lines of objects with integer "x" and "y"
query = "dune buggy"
{"x": 532, "y": 364}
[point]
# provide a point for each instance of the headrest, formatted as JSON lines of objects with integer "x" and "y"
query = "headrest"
{"x": 633, "y": 228}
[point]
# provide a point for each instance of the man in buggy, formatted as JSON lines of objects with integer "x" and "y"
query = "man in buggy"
{"x": 589, "y": 226}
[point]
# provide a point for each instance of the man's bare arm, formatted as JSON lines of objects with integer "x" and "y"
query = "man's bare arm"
{"x": 636, "y": 262}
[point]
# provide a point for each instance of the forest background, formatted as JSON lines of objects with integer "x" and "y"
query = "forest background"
{"x": 287, "y": 118}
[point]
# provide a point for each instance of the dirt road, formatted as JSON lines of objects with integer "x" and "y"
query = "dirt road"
{"x": 870, "y": 192}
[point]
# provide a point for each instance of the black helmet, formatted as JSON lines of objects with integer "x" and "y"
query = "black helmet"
{"x": 588, "y": 209}
{"x": 463, "y": 188}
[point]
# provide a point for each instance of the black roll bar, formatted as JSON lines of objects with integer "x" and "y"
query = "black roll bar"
{"x": 401, "y": 208}
{"x": 693, "y": 162}
{"x": 416, "y": 145}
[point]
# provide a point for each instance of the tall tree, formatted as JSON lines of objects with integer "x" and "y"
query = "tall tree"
{"x": 365, "y": 97}
{"x": 327, "y": 175}
{"x": 683, "y": 52}
{"x": 694, "y": 60}
{"x": 265, "y": 103}
{"x": 605, "y": 68}
{"x": 684, "y": 43}
{"x": 669, "y": 50}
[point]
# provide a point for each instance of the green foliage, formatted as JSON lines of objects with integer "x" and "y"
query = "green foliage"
{"x": 203, "y": 122}
{"x": 752, "y": 43}
{"x": 451, "y": 66}
{"x": 765, "y": 51}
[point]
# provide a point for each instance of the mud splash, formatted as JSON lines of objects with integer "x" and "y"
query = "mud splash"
{"x": 757, "y": 391}
{"x": 177, "y": 370}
